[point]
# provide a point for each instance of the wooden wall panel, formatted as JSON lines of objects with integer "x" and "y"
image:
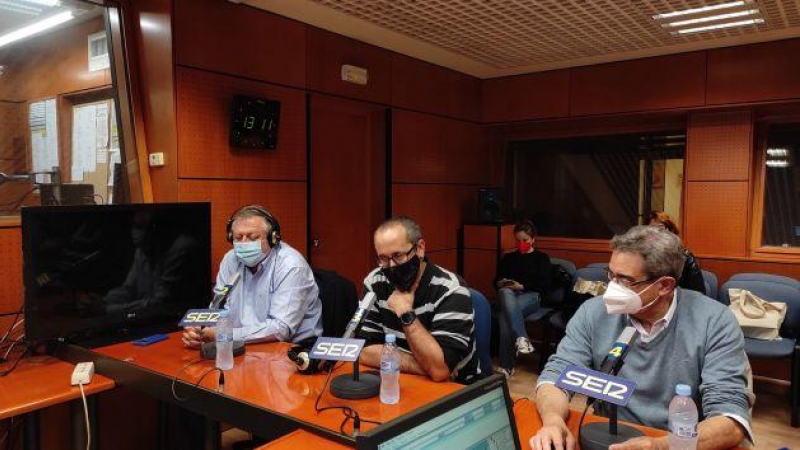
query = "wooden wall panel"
{"x": 716, "y": 218}
{"x": 464, "y": 98}
{"x": 327, "y": 52}
{"x": 432, "y": 149}
{"x": 440, "y": 210}
{"x": 444, "y": 258}
{"x": 425, "y": 87}
{"x": 719, "y": 146}
{"x": 754, "y": 73}
{"x": 725, "y": 268}
{"x": 480, "y": 267}
{"x": 204, "y": 101}
{"x": 55, "y": 63}
{"x": 526, "y": 97}
{"x": 11, "y": 296}
{"x": 13, "y": 138}
{"x": 286, "y": 200}
{"x": 154, "y": 53}
{"x": 241, "y": 40}
{"x": 673, "y": 81}
{"x": 589, "y": 126}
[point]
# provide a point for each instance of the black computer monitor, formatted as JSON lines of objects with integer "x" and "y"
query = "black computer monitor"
{"x": 480, "y": 416}
{"x": 97, "y": 274}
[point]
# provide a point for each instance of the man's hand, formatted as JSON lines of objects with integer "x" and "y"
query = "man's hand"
{"x": 516, "y": 286}
{"x": 194, "y": 336}
{"x": 642, "y": 443}
{"x": 554, "y": 434}
{"x": 401, "y": 302}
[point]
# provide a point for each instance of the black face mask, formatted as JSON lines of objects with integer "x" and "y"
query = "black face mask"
{"x": 402, "y": 276}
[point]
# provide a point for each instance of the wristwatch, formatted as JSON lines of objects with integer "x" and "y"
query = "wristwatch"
{"x": 408, "y": 317}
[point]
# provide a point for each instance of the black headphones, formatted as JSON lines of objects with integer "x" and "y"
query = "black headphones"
{"x": 274, "y": 235}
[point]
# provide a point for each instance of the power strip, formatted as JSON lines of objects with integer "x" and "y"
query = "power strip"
{"x": 83, "y": 373}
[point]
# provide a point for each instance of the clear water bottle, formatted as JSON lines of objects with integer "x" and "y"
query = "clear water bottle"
{"x": 390, "y": 371}
{"x": 224, "y": 341}
{"x": 682, "y": 419}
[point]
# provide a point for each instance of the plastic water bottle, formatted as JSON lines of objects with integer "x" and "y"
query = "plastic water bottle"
{"x": 390, "y": 371}
{"x": 224, "y": 341}
{"x": 682, "y": 419}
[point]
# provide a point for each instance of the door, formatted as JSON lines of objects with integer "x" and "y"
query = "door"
{"x": 348, "y": 184}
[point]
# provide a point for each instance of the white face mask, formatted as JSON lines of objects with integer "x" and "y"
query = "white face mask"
{"x": 624, "y": 300}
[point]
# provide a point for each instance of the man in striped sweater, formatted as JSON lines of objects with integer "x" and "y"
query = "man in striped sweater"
{"x": 423, "y": 304}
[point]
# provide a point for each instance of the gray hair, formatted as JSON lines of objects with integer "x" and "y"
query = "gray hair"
{"x": 413, "y": 232}
{"x": 662, "y": 251}
{"x": 249, "y": 211}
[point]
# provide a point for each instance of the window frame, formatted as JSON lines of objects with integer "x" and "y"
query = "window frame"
{"x": 757, "y": 248}
{"x": 601, "y": 129}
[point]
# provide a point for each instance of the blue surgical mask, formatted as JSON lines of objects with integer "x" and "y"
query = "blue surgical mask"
{"x": 249, "y": 253}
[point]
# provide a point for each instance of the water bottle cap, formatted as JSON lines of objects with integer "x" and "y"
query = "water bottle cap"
{"x": 684, "y": 390}
{"x": 390, "y": 338}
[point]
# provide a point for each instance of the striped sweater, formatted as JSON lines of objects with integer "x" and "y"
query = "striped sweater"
{"x": 443, "y": 306}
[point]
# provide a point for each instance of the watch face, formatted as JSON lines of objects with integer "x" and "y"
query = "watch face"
{"x": 408, "y": 318}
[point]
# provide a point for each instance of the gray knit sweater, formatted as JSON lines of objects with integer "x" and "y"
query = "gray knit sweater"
{"x": 702, "y": 346}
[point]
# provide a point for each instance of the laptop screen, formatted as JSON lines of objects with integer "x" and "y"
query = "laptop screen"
{"x": 476, "y": 418}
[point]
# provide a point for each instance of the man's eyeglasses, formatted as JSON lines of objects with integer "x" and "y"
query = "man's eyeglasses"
{"x": 398, "y": 257}
{"x": 624, "y": 280}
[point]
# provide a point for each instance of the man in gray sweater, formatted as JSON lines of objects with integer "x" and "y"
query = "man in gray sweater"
{"x": 684, "y": 337}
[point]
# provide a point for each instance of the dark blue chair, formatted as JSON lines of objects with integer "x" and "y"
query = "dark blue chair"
{"x": 778, "y": 289}
{"x": 602, "y": 265}
{"x": 483, "y": 330}
{"x": 553, "y": 299}
{"x": 711, "y": 284}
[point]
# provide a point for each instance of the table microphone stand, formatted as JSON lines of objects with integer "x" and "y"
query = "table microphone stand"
{"x": 595, "y": 436}
{"x": 358, "y": 386}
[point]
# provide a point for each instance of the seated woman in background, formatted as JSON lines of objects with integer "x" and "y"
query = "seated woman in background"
{"x": 523, "y": 278}
{"x": 692, "y": 276}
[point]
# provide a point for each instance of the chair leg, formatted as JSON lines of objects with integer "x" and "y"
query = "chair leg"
{"x": 795, "y": 388}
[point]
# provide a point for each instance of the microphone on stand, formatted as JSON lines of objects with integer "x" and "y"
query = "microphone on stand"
{"x": 358, "y": 385}
{"x": 300, "y": 353}
{"x": 595, "y": 435}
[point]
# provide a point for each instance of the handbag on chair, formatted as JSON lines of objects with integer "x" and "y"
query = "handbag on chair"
{"x": 759, "y": 319}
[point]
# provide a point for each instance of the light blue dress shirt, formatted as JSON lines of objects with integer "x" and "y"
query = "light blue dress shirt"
{"x": 279, "y": 302}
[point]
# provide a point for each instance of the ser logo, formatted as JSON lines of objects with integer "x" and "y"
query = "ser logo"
{"x": 337, "y": 349}
{"x": 596, "y": 385}
{"x": 200, "y": 317}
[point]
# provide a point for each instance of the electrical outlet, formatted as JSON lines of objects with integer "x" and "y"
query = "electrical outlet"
{"x": 82, "y": 374}
{"x": 156, "y": 159}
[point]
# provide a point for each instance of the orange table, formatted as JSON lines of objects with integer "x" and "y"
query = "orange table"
{"x": 39, "y": 382}
{"x": 262, "y": 381}
{"x": 527, "y": 418}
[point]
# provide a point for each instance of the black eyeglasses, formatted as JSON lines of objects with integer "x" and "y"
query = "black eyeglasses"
{"x": 624, "y": 280}
{"x": 398, "y": 257}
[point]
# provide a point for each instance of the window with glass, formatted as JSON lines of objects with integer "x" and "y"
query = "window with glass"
{"x": 60, "y": 110}
{"x": 781, "y": 213}
{"x": 595, "y": 187}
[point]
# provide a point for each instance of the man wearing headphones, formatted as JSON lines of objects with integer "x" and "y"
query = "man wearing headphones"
{"x": 276, "y": 298}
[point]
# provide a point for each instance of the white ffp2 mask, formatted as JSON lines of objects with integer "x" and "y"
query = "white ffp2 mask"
{"x": 624, "y": 300}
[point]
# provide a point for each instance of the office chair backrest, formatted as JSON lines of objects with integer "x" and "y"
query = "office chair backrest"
{"x": 774, "y": 288}
{"x": 711, "y": 284}
{"x": 483, "y": 330}
{"x": 339, "y": 301}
